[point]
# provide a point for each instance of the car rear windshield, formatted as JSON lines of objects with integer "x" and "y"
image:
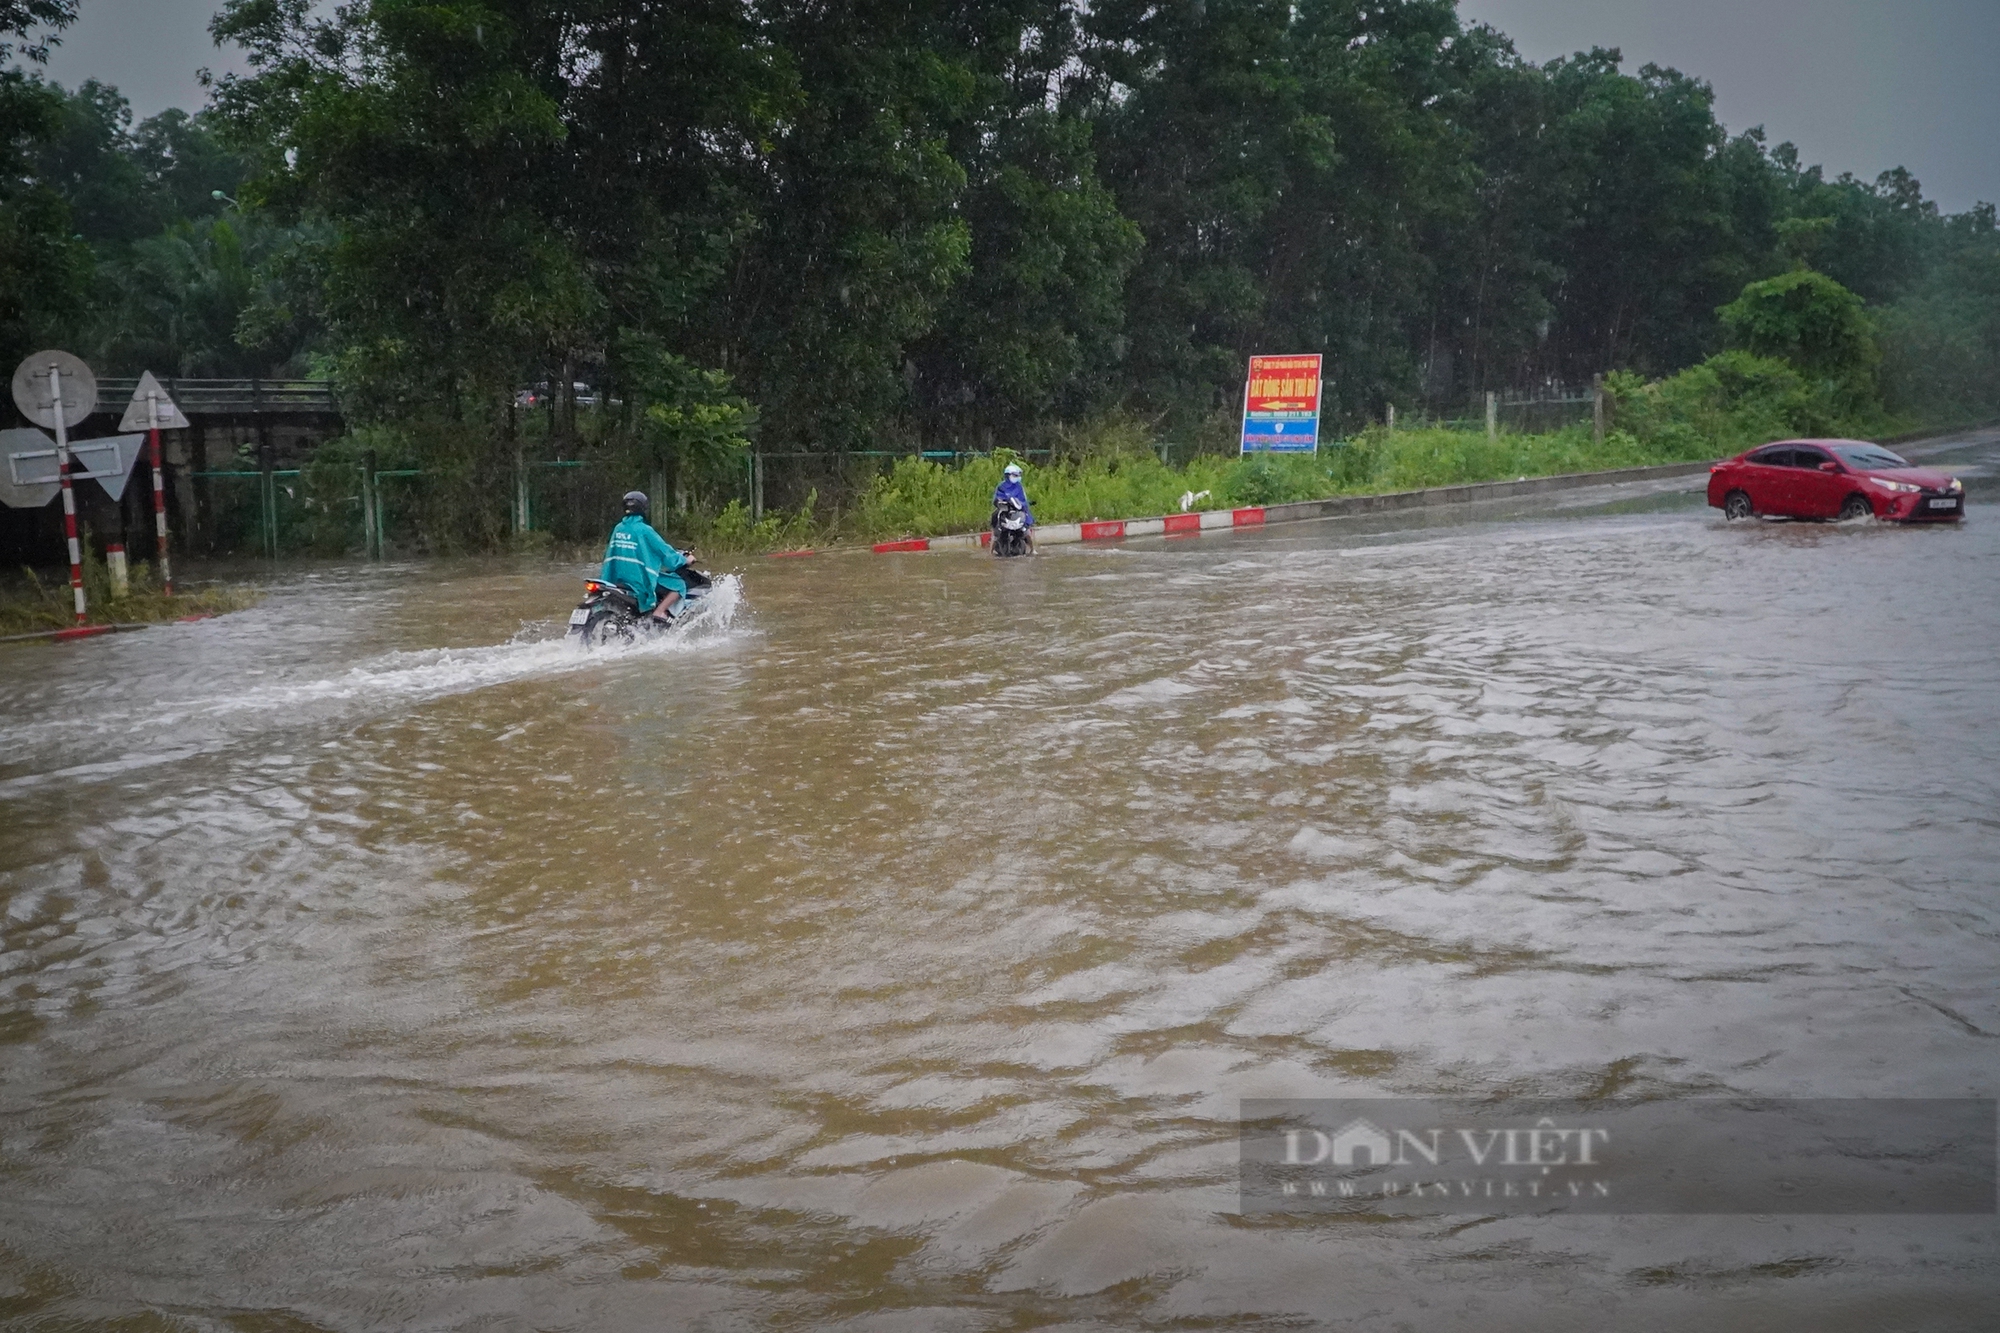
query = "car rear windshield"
{"x": 1868, "y": 456}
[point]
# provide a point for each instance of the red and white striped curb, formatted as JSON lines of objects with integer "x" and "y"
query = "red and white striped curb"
{"x": 1256, "y": 516}
{"x": 92, "y": 631}
{"x": 1098, "y": 530}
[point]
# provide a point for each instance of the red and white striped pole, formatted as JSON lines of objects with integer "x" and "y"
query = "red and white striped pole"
{"x": 159, "y": 495}
{"x": 68, "y": 492}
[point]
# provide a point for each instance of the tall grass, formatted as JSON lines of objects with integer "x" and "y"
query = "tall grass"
{"x": 1728, "y": 403}
{"x": 35, "y": 603}
{"x": 922, "y": 498}
{"x": 1104, "y": 469}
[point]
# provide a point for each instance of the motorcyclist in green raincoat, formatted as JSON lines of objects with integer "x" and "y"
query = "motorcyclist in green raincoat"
{"x": 642, "y": 562}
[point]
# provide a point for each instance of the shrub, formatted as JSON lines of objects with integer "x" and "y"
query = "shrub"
{"x": 1812, "y": 322}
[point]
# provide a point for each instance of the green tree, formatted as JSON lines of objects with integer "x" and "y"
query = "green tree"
{"x": 1033, "y": 331}
{"x": 87, "y": 158}
{"x": 1648, "y": 246}
{"x": 166, "y": 287}
{"x": 44, "y": 271}
{"x": 1310, "y": 177}
{"x": 1810, "y": 321}
{"x": 1941, "y": 342}
{"x": 868, "y": 222}
{"x": 860, "y": 238}
{"x": 418, "y": 131}
{"x": 184, "y": 162}
{"x": 695, "y": 427}
{"x": 204, "y": 297}
{"x": 30, "y": 26}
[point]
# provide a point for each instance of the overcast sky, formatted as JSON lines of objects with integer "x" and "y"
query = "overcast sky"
{"x": 1858, "y": 85}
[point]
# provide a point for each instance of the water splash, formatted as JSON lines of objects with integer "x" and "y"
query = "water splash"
{"x": 435, "y": 672}
{"x": 173, "y": 729}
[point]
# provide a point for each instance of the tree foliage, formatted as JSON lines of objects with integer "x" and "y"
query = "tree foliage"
{"x": 31, "y": 27}
{"x": 957, "y": 223}
{"x": 1811, "y": 321}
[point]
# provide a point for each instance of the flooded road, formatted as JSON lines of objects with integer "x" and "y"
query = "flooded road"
{"x": 893, "y": 952}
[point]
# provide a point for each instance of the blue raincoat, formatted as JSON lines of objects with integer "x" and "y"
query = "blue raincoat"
{"x": 640, "y": 561}
{"x": 1011, "y": 489}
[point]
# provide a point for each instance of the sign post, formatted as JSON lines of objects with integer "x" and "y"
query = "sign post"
{"x": 56, "y": 389}
{"x": 1281, "y": 404}
{"x": 152, "y": 409}
{"x": 68, "y": 491}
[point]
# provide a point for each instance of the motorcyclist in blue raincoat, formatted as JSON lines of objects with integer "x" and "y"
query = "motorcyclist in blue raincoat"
{"x": 642, "y": 562}
{"x": 1010, "y": 488}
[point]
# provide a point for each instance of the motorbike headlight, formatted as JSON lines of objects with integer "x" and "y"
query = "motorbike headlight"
{"x": 1888, "y": 485}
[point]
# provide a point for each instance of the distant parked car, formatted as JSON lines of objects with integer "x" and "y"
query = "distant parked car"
{"x": 541, "y": 393}
{"x": 1840, "y": 479}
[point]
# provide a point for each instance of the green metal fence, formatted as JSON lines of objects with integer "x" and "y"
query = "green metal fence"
{"x": 339, "y": 510}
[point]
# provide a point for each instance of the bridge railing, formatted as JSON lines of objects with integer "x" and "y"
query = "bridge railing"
{"x": 237, "y": 397}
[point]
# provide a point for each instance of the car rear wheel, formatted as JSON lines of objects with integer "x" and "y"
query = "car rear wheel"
{"x": 1856, "y": 506}
{"x": 1737, "y": 504}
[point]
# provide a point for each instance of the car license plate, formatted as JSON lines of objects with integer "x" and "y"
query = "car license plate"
{"x": 1944, "y": 504}
{"x": 578, "y": 616}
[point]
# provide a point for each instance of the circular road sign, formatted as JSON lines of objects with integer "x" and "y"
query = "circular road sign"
{"x": 31, "y": 389}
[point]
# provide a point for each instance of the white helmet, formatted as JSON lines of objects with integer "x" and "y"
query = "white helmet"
{"x": 1011, "y": 470}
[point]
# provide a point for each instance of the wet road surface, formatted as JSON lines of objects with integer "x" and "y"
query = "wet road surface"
{"x": 892, "y": 953}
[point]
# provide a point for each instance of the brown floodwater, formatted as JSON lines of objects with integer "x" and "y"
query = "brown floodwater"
{"x": 892, "y": 951}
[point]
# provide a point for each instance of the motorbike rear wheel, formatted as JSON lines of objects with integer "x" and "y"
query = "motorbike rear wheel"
{"x": 605, "y": 625}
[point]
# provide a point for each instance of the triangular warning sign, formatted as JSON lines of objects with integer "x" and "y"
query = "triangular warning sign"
{"x": 107, "y": 461}
{"x": 27, "y": 468}
{"x": 149, "y": 394}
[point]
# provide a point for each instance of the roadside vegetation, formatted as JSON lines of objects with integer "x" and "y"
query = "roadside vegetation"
{"x": 1804, "y": 363}
{"x": 623, "y": 244}
{"x": 32, "y": 602}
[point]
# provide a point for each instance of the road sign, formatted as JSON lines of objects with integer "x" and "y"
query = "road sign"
{"x": 1281, "y": 404}
{"x": 31, "y": 389}
{"x": 139, "y": 415}
{"x": 56, "y": 390}
{"x": 29, "y": 494}
{"x": 107, "y": 461}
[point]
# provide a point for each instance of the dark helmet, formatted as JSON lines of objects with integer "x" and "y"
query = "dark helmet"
{"x": 635, "y": 502}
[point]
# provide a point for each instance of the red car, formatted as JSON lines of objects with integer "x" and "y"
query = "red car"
{"x": 1832, "y": 479}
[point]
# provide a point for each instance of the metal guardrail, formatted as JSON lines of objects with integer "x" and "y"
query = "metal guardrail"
{"x": 239, "y": 397}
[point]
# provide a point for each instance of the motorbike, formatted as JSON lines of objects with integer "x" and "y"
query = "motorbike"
{"x": 609, "y": 614}
{"x": 1010, "y": 528}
